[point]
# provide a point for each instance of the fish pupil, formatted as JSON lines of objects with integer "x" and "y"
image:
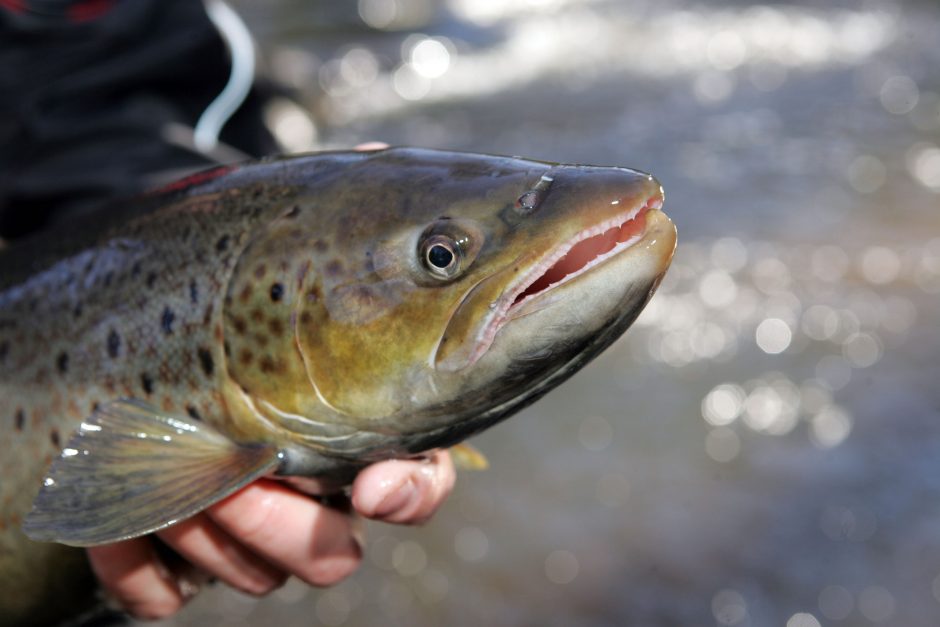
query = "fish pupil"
{"x": 439, "y": 256}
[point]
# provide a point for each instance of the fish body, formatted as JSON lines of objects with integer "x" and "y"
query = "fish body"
{"x": 300, "y": 317}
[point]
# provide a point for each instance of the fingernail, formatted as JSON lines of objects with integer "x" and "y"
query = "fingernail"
{"x": 397, "y": 500}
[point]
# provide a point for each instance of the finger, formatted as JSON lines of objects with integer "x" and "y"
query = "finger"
{"x": 404, "y": 491}
{"x": 136, "y": 579}
{"x": 369, "y": 146}
{"x": 318, "y": 544}
{"x": 209, "y": 547}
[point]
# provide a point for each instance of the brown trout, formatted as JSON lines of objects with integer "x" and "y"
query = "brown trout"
{"x": 302, "y": 316}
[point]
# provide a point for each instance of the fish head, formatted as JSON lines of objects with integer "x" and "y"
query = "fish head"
{"x": 433, "y": 293}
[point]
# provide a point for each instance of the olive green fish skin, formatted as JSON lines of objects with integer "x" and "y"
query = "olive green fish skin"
{"x": 286, "y": 302}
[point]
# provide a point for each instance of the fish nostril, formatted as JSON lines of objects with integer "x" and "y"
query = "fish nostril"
{"x": 530, "y": 201}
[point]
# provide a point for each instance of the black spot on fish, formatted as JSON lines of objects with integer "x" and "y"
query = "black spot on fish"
{"x": 222, "y": 244}
{"x": 135, "y": 269}
{"x": 193, "y": 412}
{"x": 108, "y": 278}
{"x": 77, "y": 312}
{"x": 334, "y": 267}
{"x": 193, "y": 292}
{"x": 19, "y": 419}
{"x": 166, "y": 320}
{"x": 54, "y": 437}
{"x": 277, "y": 292}
{"x": 151, "y": 279}
{"x": 114, "y": 344}
{"x": 240, "y": 325}
{"x": 267, "y": 365}
{"x": 205, "y": 360}
{"x": 146, "y": 382}
{"x": 4, "y": 349}
{"x": 62, "y": 362}
{"x": 95, "y": 407}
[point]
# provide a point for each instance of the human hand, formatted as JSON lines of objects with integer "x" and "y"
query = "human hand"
{"x": 258, "y": 537}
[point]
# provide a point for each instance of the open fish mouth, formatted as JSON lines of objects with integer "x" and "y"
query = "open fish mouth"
{"x": 574, "y": 258}
{"x": 583, "y": 252}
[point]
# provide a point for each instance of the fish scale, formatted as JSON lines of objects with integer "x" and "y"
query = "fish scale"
{"x": 286, "y": 318}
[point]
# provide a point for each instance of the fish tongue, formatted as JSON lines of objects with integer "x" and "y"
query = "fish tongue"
{"x": 132, "y": 469}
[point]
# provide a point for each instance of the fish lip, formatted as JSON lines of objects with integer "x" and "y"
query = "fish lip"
{"x": 502, "y": 307}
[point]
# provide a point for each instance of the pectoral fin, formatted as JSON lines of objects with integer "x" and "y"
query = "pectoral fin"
{"x": 468, "y": 458}
{"x": 131, "y": 469}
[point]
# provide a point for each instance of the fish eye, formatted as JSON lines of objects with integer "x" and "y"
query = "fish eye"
{"x": 442, "y": 256}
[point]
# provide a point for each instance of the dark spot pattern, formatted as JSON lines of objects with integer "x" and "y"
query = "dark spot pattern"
{"x": 4, "y": 349}
{"x": 205, "y": 360}
{"x": 193, "y": 292}
{"x": 260, "y": 271}
{"x": 222, "y": 244}
{"x": 151, "y": 279}
{"x": 277, "y": 292}
{"x": 239, "y": 325}
{"x": 62, "y": 362}
{"x": 166, "y": 320}
{"x": 77, "y": 311}
{"x": 193, "y": 412}
{"x": 19, "y": 419}
{"x": 275, "y": 326}
{"x": 114, "y": 344}
{"x": 146, "y": 382}
{"x": 135, "y": 269}
{"x": 334, "y": 267}
{"x": 54, "y": 437}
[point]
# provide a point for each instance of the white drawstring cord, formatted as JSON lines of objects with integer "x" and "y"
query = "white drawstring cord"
{"x": 242, "y": 51}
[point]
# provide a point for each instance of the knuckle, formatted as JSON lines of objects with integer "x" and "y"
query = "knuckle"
{"x": 260, "y": 588}
{"x": 155, "y": 609}
{"x": 255, "y": 526}
{"x": 329, "y": 571}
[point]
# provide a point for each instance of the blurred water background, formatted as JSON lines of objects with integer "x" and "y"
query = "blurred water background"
{"x": 763, "y": 447}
